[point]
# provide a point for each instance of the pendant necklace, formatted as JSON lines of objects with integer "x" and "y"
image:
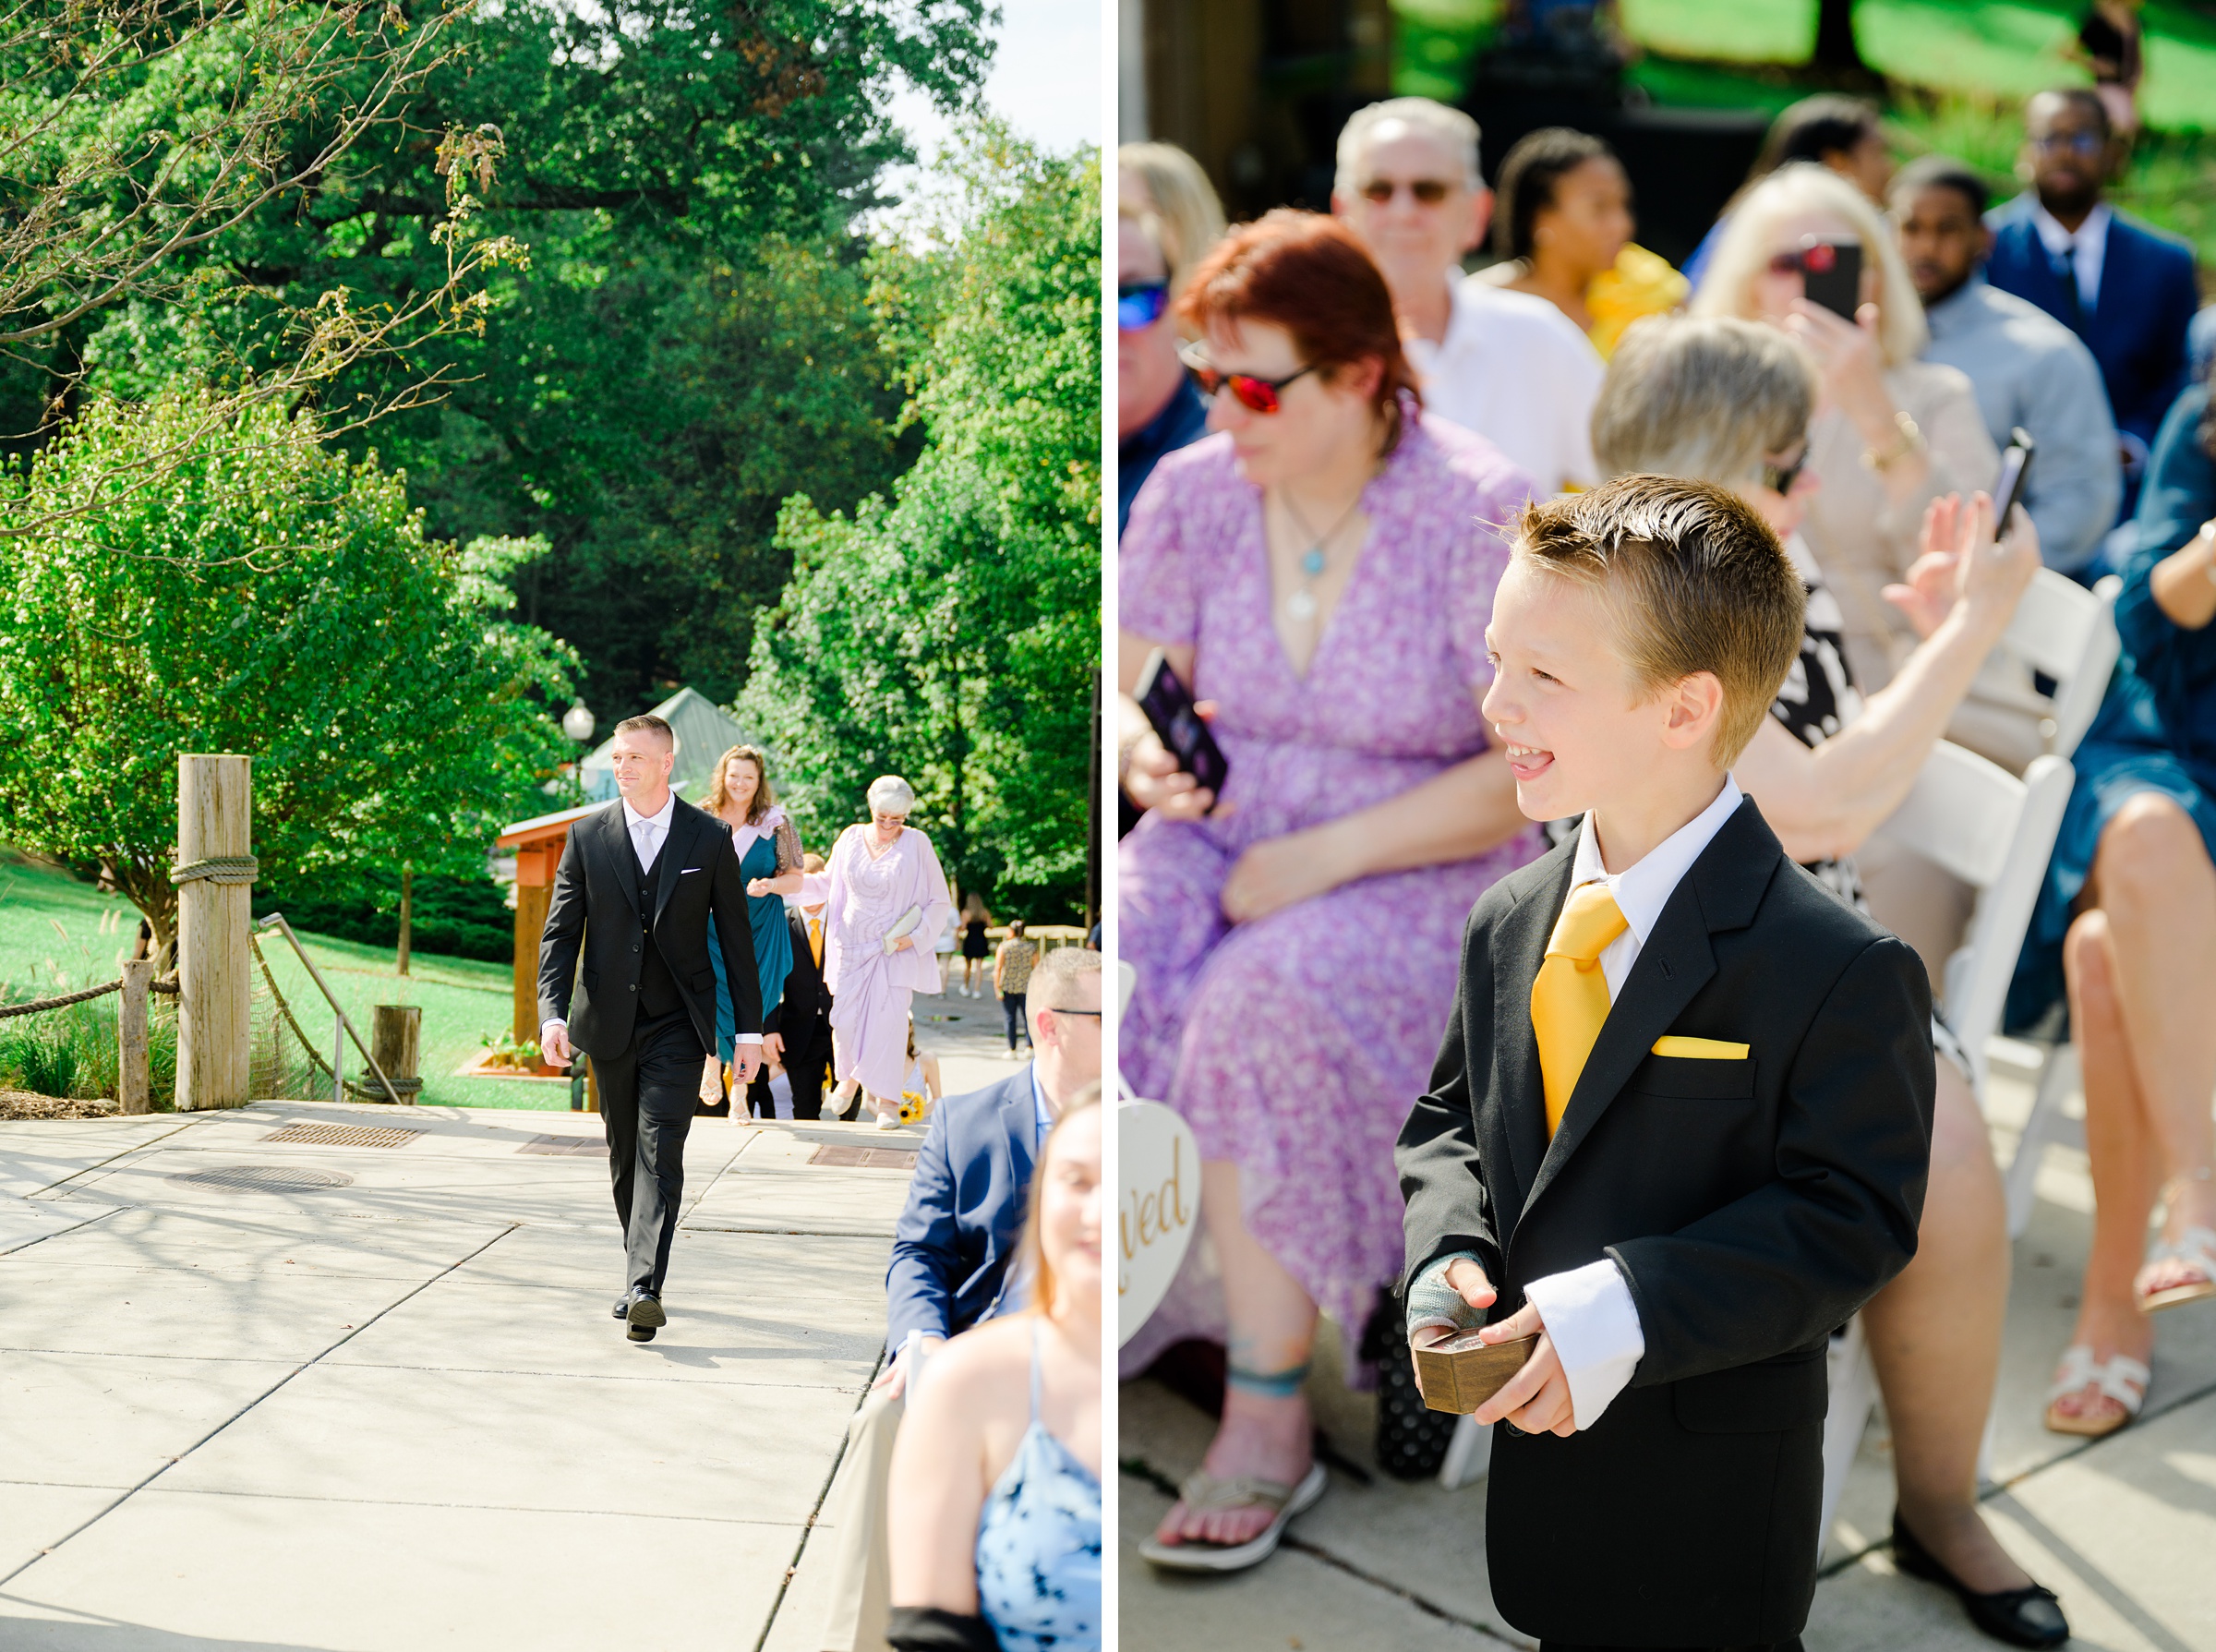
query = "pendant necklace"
{"x": 1301, "y": 604}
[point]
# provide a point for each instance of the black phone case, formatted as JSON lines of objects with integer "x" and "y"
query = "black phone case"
{"x": 1839, "y": 288}
{"x": 1169, "y": 708}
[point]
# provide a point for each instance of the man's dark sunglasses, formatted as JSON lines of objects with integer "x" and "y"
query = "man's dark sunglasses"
{"x": 2088, "y": 144}
{"x": 1429, "y": 191}
{"x": 1139, "y": 303}
{"x": 1051, "y": 1009}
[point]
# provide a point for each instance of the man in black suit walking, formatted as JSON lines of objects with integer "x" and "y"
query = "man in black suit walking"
{"x": 801, "y": 1021}
{"x": 636, "y": 886}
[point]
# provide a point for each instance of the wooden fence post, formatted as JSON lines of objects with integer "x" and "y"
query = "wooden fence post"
{"x": 214, "y": 873}
{"x": 133, "y": 1083}
{"x": 396, "y": 1039}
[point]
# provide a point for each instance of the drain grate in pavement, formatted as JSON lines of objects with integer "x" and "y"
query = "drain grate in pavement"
{"x": 864, "y": 1158}
{"x": 344, "y": 1135}
{"x": 579, "y": 1146}
{"x": 265, "y": 1178}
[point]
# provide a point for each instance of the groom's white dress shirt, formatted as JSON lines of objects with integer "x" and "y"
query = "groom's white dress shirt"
{"x": 648, "y": 833}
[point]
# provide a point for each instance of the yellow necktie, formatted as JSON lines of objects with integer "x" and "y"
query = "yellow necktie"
{"x": 1570, "y": 998}
{"x": 816, "y": 940}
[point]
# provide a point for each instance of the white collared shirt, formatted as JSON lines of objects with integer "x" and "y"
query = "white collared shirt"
{"x": 649, "y": 832}
{"x": 2087, "y": 247}
{"x": 1589, "y": 1311}
{"x": 1516, "y": 371}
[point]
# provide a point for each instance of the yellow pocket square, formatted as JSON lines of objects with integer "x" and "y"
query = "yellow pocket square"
{"x": 1700, "y": 1049}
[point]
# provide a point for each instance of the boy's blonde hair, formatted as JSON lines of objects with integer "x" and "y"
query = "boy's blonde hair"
{"x": 1695, "y": 580}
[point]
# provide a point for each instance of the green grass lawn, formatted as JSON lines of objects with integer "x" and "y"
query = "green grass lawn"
{"x": 56, "y": 930}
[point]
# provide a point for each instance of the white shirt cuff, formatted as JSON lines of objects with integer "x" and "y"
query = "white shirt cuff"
{"x": 747, "y": 1038}
{"x": 1594, "y": 1324}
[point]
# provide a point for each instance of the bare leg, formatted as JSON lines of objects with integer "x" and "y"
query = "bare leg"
{"x": 1935, "y": 1338}
{"x": 1272, "y": 1329}
{"x": 2159, "y": 891}
{"x": 2120, "y": 1145}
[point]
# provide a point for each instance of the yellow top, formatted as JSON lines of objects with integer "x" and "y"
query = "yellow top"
{"x": 1642, "y": 284}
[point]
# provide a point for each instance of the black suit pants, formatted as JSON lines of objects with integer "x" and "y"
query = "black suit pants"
{"x": 807, "y": 1060}
{"x": 647, "y": 1094}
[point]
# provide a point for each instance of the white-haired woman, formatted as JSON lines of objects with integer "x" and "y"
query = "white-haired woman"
{"x": 1891, "y": 433}
{"x": 885, "y": 899}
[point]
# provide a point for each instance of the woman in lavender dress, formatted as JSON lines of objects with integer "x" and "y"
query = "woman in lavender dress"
{"x": 1321, "y": 570}
{"x": 886, "y": 899}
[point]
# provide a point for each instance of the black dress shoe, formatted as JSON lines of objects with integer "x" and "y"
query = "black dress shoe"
{"x": 640, "y": 1333}
{"x": 646, "y": 1311}
{"x": 2030, "y": 1617}
{"x": 623, "y": 1306}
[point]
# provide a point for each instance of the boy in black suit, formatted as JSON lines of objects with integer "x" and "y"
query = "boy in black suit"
{"x": 1679, "y": 1124}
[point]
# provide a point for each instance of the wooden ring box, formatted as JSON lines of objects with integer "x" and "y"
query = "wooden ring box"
{"x": 1462, "y": 1373}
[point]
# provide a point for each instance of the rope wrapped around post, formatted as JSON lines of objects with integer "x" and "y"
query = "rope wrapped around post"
{"x": 217, "y": 869}
{"x": 36, "y": 1005}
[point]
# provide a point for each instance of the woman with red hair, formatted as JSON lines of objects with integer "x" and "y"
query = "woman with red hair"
{"x": 1319, "y": 570}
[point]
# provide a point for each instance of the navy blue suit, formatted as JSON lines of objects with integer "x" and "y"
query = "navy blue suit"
{"x": 2136, "y": 327}
{"x": 958, "y": 1234}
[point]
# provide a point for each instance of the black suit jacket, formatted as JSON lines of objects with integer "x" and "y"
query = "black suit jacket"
{"x": 595, "y": 908}
{"x": 1752, "y": 1206}
{"x": 804, "y": 999}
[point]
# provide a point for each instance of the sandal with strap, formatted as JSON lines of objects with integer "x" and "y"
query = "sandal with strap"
{"x": 2197, "y": 1249}
{"x": 2120, "y": 1378}
{"x": 1203, "y": 1492}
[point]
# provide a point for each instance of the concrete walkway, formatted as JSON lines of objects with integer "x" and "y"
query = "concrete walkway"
{"x": 2124, "y": 1529}
{"x": 349, "y": 1393}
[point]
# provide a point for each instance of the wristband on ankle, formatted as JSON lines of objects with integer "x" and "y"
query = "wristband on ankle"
{"x": 1275, "y": 1385}
{"x": 1433, "y": 1302}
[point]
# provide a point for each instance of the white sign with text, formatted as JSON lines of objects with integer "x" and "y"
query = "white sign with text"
{"x": 1158, "y": 1207}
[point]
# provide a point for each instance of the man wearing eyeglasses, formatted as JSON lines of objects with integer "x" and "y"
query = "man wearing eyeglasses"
{"x": 953, "y": 1250}
{"x": 1157, "y": 410}
{"x": 2124, "y": 287}
{"x": 1511, "y": 367}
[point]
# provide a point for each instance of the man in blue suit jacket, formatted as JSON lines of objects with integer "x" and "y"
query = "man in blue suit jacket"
{"x": 2124, "y": 287}
{"x": 953, "y": 1249}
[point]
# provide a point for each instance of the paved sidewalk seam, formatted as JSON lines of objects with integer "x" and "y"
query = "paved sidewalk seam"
{"x": 2070, "y": 1453}
{"x": 1139, "y": 1469}
{"x": 58, "y": 1232}
{"x": 122, "y": 1153}
{"x": 414, "y": 1502}
{"x": 769, "y": 1620}
{"x": 354, "y": 1332}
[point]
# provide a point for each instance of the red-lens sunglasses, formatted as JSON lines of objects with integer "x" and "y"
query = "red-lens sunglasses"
{"x": 1256, "y": 395}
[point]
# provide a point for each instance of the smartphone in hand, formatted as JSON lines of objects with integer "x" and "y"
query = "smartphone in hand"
{"x": 1177, "y": 722}
{"x": 1831, "y": 274}
{"x": 2016, "y": 470}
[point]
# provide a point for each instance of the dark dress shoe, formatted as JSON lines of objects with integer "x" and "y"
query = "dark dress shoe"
{"x": 623, "y": 1306}
{"x": 646, "y": 1310}
{"x": 640, "y": 1333}
{"x": 2030, "y": 1617}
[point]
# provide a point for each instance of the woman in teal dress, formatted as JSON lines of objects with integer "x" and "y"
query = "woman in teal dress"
{"x": 769, "y": 860}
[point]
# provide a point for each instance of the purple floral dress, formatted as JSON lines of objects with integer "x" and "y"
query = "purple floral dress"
{"x": 1296, "y": 1045}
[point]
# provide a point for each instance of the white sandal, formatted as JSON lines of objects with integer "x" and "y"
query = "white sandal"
{"x": 2121, "y": 1379}
{"x": 1202, "y": 1491}
{"x": 2197, "y": 1249}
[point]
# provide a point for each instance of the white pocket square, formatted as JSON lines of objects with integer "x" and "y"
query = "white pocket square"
{"x": 688, "y": 870}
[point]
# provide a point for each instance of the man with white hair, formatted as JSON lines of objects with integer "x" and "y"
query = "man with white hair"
{"x": 1509, "y": 365}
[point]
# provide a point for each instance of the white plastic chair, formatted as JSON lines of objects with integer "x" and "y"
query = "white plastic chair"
{"x": 1995, "y": 832}
{"x": 2069, "y": 633}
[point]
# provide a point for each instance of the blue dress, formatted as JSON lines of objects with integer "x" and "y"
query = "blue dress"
{"x": 2156, "y": 730}
{"x": 1039, "y": 1545}
{"x": 773, "y": 944}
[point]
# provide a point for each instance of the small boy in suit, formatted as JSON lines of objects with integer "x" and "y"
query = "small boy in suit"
{"x": 1680, "y": 1122}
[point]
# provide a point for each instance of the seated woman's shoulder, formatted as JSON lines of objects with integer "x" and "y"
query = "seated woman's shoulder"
{"x": 984, "y": 1358}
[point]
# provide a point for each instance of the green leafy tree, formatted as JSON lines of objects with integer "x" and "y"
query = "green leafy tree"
{"x": 950, "y": 633}
{"x": 691, "y": 343}
{"x": 274, "y": 597}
